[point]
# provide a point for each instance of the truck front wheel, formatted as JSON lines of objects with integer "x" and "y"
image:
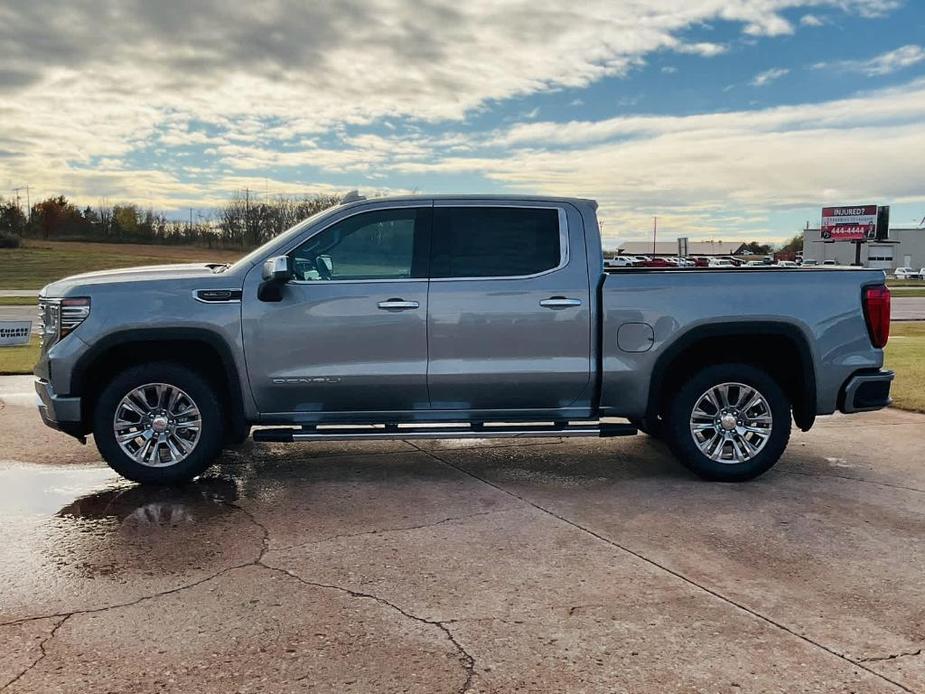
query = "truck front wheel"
{"x": 728, "y": 422}
{"x": 158, "y": 423}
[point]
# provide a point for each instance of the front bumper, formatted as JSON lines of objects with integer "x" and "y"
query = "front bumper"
{"x": 59, "y": 412}
{"x": 866, "y": 391}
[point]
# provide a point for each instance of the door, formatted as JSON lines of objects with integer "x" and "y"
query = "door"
{"x": 509, "y": 316}
{"x": 349, "y": 333}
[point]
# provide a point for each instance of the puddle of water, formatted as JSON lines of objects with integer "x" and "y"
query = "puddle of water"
{"x": 147, "y": 506}
{"x": 99, "y": 494}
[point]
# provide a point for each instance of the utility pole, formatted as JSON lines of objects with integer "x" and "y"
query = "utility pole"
{"x": 247, "y": 214}
{"x": 654, "y": 233}
{"x": 28, "y": 214}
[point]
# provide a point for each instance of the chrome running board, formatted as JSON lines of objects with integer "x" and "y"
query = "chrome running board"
{"x": 328, "y": 432}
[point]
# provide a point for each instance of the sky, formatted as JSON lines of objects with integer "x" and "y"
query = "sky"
{"x": 726, "y": 119}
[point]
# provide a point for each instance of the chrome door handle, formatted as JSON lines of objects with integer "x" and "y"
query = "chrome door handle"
{"x": 397, "y": 305}
{"x": 559, "y": 302}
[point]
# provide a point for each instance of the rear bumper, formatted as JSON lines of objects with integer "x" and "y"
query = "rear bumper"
{"x": 866, "y": 391}
{"x": 61, "y": 413}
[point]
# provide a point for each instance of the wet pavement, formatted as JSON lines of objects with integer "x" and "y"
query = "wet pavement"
{"x": 580, "y": 565}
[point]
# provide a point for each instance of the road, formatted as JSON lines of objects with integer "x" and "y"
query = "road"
{"x": 907, "y": 307}
{"x": 591, "y": 565}
{"x": 21, "y": 313}
{"x": 903, "y": 308}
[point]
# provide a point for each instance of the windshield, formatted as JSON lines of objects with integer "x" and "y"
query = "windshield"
{"x": 258, "y": 252}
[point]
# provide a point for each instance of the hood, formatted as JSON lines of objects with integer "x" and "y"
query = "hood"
{"x": 130, "y": 274}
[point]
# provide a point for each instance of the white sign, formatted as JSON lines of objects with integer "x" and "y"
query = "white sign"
{"x": 15, "y": 332}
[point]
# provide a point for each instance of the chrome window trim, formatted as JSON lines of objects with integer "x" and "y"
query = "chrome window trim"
{"x": 564, "y": 256}
{"x": 563, "y": 240}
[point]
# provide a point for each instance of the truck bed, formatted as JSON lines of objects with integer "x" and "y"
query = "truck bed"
{"x": 648, "y": 312}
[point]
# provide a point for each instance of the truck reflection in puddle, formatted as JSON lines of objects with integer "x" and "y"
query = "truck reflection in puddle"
{"x": 156, "y": 506}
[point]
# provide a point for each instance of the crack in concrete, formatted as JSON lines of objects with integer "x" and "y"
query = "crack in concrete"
{"x": 469, "y": 661}
{"x": 677, "y": 574}
{"x": 894, "y": 656}
{"x": 467, "y": 658}
{"x": 382, "y": 531}
{"x": 64, "y": 616}
{"x": 42, "y": 652}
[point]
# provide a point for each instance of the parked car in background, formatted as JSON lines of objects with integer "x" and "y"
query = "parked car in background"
{"x": 829, "y": 261}
{"x": 720, "y": 262}
{"x": 453, "y": 317}
{"x": 657, "y": 262}
{"x": 809, "y": 262}
{"x": 622, "y": 261}
{"x": 907, "y": 273}
{"x": 755, "y": 263}
{"x": 787, "y": 263}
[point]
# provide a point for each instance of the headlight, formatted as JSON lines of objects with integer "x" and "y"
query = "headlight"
{"x": 59, "y": 317}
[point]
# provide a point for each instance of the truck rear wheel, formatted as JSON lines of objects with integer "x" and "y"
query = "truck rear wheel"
{"x": 728, "y": 422}
{"x": 158, "y": 423}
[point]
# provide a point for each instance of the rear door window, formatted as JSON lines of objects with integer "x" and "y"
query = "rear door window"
{"x": 495, "y": 241}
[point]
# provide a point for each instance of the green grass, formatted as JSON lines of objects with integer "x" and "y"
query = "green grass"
{"x": 905, "y": 283}
{"x": 905, "y": 354}
{"x": 901, "y": 291}
{"x": 19, "y": 360}
{"x": 18, "y": 300}
{"x": 40, "y": 262}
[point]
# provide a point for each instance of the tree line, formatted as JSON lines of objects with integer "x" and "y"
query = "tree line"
{"x": 241, "y": 222}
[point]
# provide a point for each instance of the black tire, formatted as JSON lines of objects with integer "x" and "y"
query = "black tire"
{"x": 206, "y": 448}
{"x": 677, "y": 429}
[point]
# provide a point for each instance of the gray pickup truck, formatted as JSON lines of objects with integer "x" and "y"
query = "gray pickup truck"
{"x": 454, "y": 317}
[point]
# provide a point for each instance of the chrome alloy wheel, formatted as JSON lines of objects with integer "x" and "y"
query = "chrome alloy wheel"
{"x": 731, "y": 423}
{"x": 157, "y": 425}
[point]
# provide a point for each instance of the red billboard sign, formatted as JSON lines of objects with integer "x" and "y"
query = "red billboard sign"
{"x": 849, "y": 223}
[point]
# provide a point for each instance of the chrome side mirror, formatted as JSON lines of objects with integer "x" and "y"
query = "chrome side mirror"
{"x": 278, "y": 269}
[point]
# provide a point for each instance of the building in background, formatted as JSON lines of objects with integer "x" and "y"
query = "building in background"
{"x": 670, "y": 248}
{"x": 905, "y": 248}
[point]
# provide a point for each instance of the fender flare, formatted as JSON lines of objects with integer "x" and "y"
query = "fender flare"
{"x": 804, "y": 410}
{"x": 206, "y": 336}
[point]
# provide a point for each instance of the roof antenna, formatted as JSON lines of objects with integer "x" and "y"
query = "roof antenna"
{"x": 352, "y": 196}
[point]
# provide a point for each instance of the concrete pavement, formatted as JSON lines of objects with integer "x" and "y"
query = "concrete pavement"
{"x": 581, "y": 565}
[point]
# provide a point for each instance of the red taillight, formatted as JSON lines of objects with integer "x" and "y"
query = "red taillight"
{"x": 877, "y": 314}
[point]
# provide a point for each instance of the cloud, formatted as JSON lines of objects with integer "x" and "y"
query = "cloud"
{"x": 101, "y": 98}
{"x": 696, "y": 171}
{"x": 811, "y": 20}
{"x": 764, "y": 78}
{"x": 883, "y": 64}
{"x": 706, "y": 49}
